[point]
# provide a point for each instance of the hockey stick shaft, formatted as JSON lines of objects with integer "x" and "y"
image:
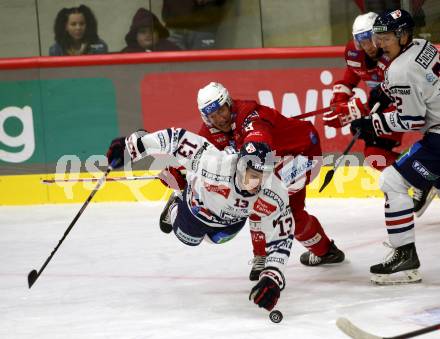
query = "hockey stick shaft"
{"x": 33, "y": 275}
{"x": 353, "y": 331}
{"x": 313, "y": 113}
{"x": 416, "y": 333}
{"x": 53, "y": 181}
{"x": 329, "y": 175}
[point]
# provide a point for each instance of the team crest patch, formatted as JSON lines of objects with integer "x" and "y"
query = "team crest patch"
{"x": 396, "y": 14}
{"x": 250, "y": 148}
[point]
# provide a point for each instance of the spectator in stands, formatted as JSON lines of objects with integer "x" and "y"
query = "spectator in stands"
{"x": 147, "y": 34}
{"x": 193, "y": 24}
{"x": 76, "y": 33}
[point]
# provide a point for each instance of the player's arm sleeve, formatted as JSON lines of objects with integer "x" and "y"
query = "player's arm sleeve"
{"x": 258, "y": 125}
{"x": 278, "y": 231}
{"x": 351, "y": 79}
{"x": 186, "y": 147}
{"x": 407, "y": 95}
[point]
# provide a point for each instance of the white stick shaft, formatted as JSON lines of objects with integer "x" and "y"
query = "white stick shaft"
{"x": 53, "y": 181}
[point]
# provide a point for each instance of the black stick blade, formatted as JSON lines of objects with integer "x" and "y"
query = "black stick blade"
{"x": 32, "y": 277}
{"x": 327, "y": 179}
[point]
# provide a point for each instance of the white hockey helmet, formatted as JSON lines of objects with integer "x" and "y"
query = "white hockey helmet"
{"x": 363, "y": 27}
{"x": 210, "y": 98}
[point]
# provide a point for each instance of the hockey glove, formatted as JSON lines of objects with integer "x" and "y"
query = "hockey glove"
{"x": 173, "y": 178}
{"x": 267, "y": 291}
{"x": 344, "y": 113}
{"x": 115, "y": 153}
{"x": 341, "y": 94}
{"x": 378, "y": 95}
{"x": 371, "y": 126}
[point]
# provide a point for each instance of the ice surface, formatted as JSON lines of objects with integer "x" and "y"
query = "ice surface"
{"x": 117, "y": 276}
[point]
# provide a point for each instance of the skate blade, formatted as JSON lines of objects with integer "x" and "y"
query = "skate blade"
{"x": 431, "y": 195}
{"x": 398, "y": 278}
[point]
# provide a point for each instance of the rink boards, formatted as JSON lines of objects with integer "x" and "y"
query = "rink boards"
{"x": 348, "y": 182}
{"x": 59, "y": 114}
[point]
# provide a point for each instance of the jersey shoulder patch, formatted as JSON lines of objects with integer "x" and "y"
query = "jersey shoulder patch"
{"x": 426, "y": 55}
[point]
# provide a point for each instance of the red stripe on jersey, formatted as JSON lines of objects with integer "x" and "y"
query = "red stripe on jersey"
{"x": 399, "y": 221}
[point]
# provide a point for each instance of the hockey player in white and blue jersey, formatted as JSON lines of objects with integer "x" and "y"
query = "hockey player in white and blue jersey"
{"x": 412, "y": 86}
{"x": 223, "y": 190}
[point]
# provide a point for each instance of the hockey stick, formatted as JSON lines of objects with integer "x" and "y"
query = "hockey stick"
{"x": 313, "y": 113}
{"x": 33, "y": 275}
{"x": 53, "y": 181}
{"x": 329, "y": 175}
{"x": 355, "y": 332}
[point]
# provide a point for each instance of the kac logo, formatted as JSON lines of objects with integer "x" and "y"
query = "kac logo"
{"x": 20, "y": 146}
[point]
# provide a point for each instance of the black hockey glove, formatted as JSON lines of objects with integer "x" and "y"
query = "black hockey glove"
{"x": 115, "y": 153}
{"x": 378, "y": 95}
{"x": 267, "y": 291}
{"x": 365, "y": 124}
{"x": 371, "y": 127}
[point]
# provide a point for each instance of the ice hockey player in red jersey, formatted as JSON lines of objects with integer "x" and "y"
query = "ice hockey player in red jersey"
{"x": 366, "y": 62}
{"x": 230, "y": 123}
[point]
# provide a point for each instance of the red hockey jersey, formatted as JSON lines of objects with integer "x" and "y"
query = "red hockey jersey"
{"x": 254, "y": 122}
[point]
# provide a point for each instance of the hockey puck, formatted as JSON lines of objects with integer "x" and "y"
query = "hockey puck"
{"x": 276, "y": 316}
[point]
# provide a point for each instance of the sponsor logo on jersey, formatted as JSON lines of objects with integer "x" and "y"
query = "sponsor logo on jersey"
{"x": 353, "y": 53}
{"x": 220, "y": 189}
{"x": 423, "y": 171}
{"x": 274, "y": 196}
{"x": 215, "y": 177}
{"x": 231, "y": 218}
{"x": 426, "y": 55}
{"x": 401, "y": 90}
{"x": 430, "y": 77}
{"x": 264, "y": 207}
{"x": 353, "y": 63}
{"x": 220, "y": 138}
{"x": 198, "y": 155}
{"x": 295, "y": 169}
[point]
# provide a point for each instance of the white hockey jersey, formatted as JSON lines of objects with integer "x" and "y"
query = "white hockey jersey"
{"x": 213, "y": 195}
{"x": 412, "y": 82}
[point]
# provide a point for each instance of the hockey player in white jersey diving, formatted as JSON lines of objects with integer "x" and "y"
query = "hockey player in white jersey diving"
{"x": 412, "y": 85}
{"x": 223, "y": 190}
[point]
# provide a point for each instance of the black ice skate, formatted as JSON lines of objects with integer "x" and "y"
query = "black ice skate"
{"x": 422, "y": 199}
{"x": 333, "y": 256}
{"x": 258, "y": 264}
{"x": 165, "y": 216}
{"x": 400, "y": 267}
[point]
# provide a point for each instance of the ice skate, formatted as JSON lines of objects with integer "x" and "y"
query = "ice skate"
{"x": 165, "y": 216}
{"x": 400, "y": 267}
{"x": 333, "y": 256}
